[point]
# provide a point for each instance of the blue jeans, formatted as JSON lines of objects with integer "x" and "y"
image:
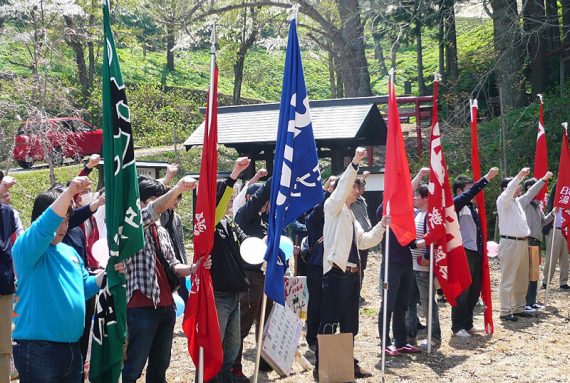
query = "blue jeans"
{"x": 422, "y": 280}
{"x": 150, "y": 333}
{"x": 227, "y": 304}
{"x": 40, "y": 361}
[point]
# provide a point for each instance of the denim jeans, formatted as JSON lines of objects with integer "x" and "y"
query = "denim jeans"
{"x": 150, "y": 332}
{"x": 227, "y": 304}
{"x": 400, "y": 283}
{"x": 422, "y": 280}
{"x": 462, "y": 314}
{"x": 412, "y": 319}
{"x": 315, "y": 287}
{"x": 40, "y": 361}
{"x": 339, "y": 304}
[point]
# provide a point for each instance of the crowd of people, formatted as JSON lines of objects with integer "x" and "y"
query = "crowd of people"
{"x": 53, "y": 271}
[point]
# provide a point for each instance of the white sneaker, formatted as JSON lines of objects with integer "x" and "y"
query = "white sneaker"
{"x": 462, "y": 334}
{"x": 475, "y": 330}
{"x": 537, "y": 306}
{"x": 529, "y": 309}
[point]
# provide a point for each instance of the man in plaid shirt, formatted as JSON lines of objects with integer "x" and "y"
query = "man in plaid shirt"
{"x": 150, "y": 310}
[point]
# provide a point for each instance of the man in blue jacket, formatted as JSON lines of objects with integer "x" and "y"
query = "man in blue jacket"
{"x": 465, "y": 190}
{"x": 53, "y": 285}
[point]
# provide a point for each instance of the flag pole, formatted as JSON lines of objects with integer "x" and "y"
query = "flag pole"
{"x": 550, "y": 271}
{"x": 260, "y": 335}
{"x": 430, "y": 299}
{"x": 385, "y": 293}
{"x": 207, "y": 133}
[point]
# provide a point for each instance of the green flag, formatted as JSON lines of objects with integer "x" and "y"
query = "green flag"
{"x": 122, "y": 215}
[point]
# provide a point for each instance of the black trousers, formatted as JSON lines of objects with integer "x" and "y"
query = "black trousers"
{"x": 339, "y": 304}
{"x": 315, "y": 287}
{"x": 462, "y": 314}
{"x": 400, "y": 283}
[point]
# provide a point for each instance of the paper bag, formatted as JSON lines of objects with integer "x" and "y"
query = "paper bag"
{"x": 336, "y": 358}
{"x": 534, "y": 257}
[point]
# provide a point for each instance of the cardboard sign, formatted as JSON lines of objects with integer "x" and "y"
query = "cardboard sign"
{"x": 297, "y": 295}
{"x": 280, "y": 338}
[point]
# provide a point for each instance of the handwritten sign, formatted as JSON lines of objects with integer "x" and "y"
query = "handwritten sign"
{"x": 280, "y": 338}
{"x": 297, "y": 295}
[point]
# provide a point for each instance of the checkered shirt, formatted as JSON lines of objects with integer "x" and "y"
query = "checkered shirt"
{"x": 141, "y": 268}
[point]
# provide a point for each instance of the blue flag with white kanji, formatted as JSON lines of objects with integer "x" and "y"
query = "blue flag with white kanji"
{"x": 296, "y": 182}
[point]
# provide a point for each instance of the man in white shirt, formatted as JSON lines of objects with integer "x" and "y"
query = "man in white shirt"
{"x": 513, "y": 248}
{"x": 342, "y": 238}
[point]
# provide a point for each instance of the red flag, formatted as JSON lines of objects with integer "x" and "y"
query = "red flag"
{"x": 398, "y": 194}
{"x": 541, "y": 157}
{"x": 201, "y": 317}
{"x": 562, "y": 197}
{"x": 450, "y": 261}
{"x": 480, "y": 201}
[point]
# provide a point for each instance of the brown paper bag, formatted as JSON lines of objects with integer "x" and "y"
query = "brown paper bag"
{"x": 534, "y": 256}
{"x": 336, "y": 358}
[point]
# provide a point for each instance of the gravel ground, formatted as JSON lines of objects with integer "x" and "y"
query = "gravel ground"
{"x": 530, "y": 350}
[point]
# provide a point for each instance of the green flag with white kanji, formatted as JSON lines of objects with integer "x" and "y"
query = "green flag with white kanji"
{"x": 122, "y": 216}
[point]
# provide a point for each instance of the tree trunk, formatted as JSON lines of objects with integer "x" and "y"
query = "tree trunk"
{"x": 339, "y": 83}
{"x": 451, "y": 47}
{"x": 508, "y": 52}
{"x": 378, "y": 51}
{"x": 419, "y": 56}
{"x": 534, "y": 19}
{"x": 553, "y": 24}
{"x": 73, "y": 40}
{"x": 441, "y": 43}
{"x": 566, "y": 33}
{"x": 170, "y": 31}
{"x": 332, "y": 79}
{"x": 353, "y": 63}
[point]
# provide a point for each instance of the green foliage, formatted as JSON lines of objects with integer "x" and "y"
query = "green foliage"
{"x": 31, "y": 183}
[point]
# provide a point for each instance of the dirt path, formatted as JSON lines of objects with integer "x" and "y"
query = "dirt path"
{"x": 530, "y": 350}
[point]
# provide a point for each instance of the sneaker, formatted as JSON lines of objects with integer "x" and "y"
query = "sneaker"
{"x": 409, "y": 349}
{"x": 476, "y": 330}
{"x": 543, "y": 287}
{"x": 391, "y": 351}
{"x": 565, "y": 287}
{"x": 509, "y": 318}
{"x": 361, "y": 373}
{"x": 435, "y": 343}
{"x": 529, "y": 309}
{"x": 411, "y": 341}
{"x": 420, "y": 326}
{"x": 537, "y": 306}
{"x": 462, "y": 334}
{"x": 239, "y": 377}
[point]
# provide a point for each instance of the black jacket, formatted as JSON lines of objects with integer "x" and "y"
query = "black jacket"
{"x": 227, "y": 270}
{"x": 7, "y": 238}
{"x": 249, "y": 219}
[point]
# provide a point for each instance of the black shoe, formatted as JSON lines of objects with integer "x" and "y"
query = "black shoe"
{"x": 543, "y": 287}
{"x": 564, "y": 287}
{"x": 264, "y": 366}
{"x": 510, "y": 318}
{"x": 420, "y": 326}
{"x": 360, "y": 373}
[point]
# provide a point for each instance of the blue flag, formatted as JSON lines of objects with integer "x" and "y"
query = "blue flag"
{"x": 296, "y": 183}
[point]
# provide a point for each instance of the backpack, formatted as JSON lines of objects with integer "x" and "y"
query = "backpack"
{"x": 7, "y": 276}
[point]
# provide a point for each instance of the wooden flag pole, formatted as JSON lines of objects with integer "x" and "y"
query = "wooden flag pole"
{"x": 260, "y": 335}
{"x": 550, "y": 271}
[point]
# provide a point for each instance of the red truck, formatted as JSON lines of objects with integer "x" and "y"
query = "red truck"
{"x": 65, "y": 137}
